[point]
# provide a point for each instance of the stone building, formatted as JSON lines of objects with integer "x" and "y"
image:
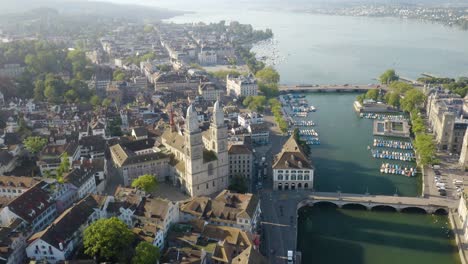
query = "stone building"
{"x": 241, "y": 161}
{"x": 200, "y": 163}
{"x": 445, "y": 114}
{"x": 292, "y": 168}
{"x": 241, "y": 86}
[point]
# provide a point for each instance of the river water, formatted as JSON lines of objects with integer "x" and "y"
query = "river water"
{"x": 334, "y": 50}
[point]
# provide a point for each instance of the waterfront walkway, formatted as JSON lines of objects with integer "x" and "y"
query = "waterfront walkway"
{"x": 329, "y": 88}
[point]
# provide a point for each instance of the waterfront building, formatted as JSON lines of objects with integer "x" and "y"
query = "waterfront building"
{"x": 464, "y": 152}
{"x": 200, "y": 164}
{"x": 241, "y": 86}
{"x": 463, "y": 214}
{"x": 292, "y": 168}
{"x": 445, "y": 114}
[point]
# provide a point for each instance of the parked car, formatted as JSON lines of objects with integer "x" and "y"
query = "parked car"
{"x": 443, "y": 192}
{"x": 437, "y": 172}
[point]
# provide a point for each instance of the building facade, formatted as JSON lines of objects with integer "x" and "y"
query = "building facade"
{"x": 241, "y": 86}
{"x": 292, "y": 169}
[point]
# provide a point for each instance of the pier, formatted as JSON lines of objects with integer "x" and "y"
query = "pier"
{"x": 329, "y": 88}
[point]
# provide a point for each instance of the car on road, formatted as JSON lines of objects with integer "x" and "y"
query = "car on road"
{"x": 437, "y": 172}
{"x": 443, "y": 192}
{"x": 290, "y": 257}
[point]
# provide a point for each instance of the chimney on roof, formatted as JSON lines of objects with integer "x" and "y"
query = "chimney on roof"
{"x": 299, "y": 163}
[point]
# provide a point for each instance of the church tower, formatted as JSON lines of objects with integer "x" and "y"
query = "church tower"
{"x": 193, "y": 149}
{"x": 219, "y": 141}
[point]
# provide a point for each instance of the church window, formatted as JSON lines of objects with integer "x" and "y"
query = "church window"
{"x": 207, "y": 186}
{"x": 213, "y": 183}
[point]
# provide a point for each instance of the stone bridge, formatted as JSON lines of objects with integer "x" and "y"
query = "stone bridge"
{"x": 370, "y": 202}
{"x": 328, "y": 88}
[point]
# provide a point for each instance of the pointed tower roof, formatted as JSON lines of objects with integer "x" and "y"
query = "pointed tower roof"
{"x": 191, "y": 120}
{"x": 218, "y": 114}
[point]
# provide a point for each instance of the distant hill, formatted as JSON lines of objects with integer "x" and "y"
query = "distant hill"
{"x": 103, "y": 9}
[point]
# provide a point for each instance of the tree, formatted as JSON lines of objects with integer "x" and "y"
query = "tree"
{"x": 255, "y": 103}
{"x": 147, "y": 183}
{"x": 393, "y": 99}
{"x": 412, "y": 100}
{"x": 106, "y": 102}
{"x": 39, "y": 88}
{"x": 108, "y": 239}
{"x": 119, "y": 75}
{"x": 34, "y": 144}
{"x": 95, "y": 100}
{"x": 239, "y": 184}
{"x": 146, "y": 253}
{"x": 388, "y": 76}
{"x": 269, "y": 90}
{"x": 71, "y": 96}
{"x": 372, "y": 94}
{"x": 63, "y": 167}
{"x": 400, "y": 87}
{"x": 268, "y": 75}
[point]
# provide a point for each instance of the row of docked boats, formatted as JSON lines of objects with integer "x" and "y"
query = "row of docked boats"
{"x": 300, "y": 114}
{"x": 393, "y": 155}
{"x": 395, "y": 144}
{"x": 308, "y": 132}
{"x": 313, "y": 141}
{"x": 389, "y": 168}
{"x": 382, "y": 116}
{"x": 302, "y": 123}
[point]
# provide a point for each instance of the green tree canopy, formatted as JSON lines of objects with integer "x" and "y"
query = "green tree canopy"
{"x": 255, "y": 103}
{"x": 388, "y": 77}
{"x": 34, "y": 144}
{"x": 372, "y": 94}
{"x": 147, "y": 183}
{"x": 393, "y": 99}
{"x": 400, "y": 87}
{"x": 108, "y": 239}
{"x": 95, "y": 100}
{"x": 412, "y": 100}
{"x": 119, "y": 75}
{"x": 268, "y": 75}
{"x": 239, "y": 184}
{"x": 146, "y": 253}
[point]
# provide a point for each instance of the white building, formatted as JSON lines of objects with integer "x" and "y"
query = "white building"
{"x": 60, "y": 239}
{"x": 13, "y": 186}
{"x": 249, "y": 118}
{"x": 292, "y": 169}
{"x": 35, "y": 207}
{"x": 207, "y": 57}
{"x": 82, "y": 182}
{"x": 241, "y": 86}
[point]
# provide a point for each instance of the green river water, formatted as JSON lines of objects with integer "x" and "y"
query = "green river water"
{"x": 330, "y": 235}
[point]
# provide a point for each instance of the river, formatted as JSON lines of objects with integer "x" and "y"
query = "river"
{"x": 337, "y": 50}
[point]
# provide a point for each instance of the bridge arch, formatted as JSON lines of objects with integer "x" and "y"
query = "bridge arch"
{"x": 441, "y": 211}
{"x": 354, "y": 206}
{"x": 414, "y": 210}
{"x": 385, "y": 208}
{"x": 326, "y": 203}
